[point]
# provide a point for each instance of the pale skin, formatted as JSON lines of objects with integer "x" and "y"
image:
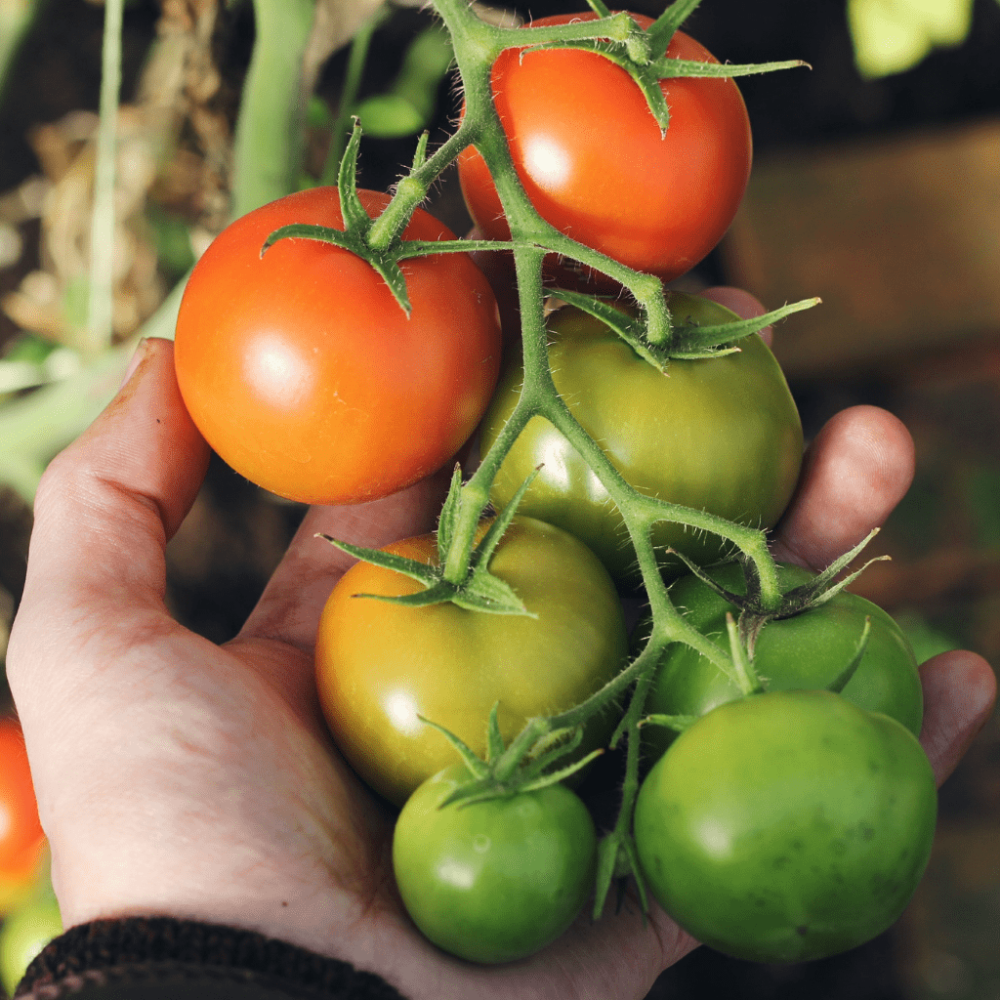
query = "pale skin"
{"x": 179, "y": 778}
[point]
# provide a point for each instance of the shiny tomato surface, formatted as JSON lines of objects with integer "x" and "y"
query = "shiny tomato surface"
{"x": 787, "y": 826}
{"x": 595, "y": 164}
{"x": 721, "y": 435}
{"x": 307, "y": 377}
{"x": 21, "y": 836}
{"x": 381, "y": 666}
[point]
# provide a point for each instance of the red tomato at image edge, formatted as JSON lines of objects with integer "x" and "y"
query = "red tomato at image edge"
{"x": 21, "y": 836}
{"x": 304, "y": 374}
{"x": 593, "y": 161}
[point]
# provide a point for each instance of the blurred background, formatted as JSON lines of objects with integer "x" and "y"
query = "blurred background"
{"x": 876, "y": 186}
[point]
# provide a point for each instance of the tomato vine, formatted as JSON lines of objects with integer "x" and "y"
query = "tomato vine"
{"x": 654, "y": 333}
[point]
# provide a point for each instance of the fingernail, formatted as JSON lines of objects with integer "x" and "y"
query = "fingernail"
{"x": 134, "y": 361}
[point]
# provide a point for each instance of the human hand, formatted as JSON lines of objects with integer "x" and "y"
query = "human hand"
{"x": 179, "y": 778}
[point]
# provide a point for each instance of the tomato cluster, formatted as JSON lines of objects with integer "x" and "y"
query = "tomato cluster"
{"x": 786, "y": 821}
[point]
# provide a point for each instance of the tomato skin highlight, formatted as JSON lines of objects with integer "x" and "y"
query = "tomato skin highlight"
{"x": 721, "y": 435}
{"x": 787, "y": 826}
{"x": 493, "y": 881}
{"x": 379, "y": 666}
{"x": 595, "y": 165}
{"x": 806, "y": 651}
{"x": 305, "y": 375}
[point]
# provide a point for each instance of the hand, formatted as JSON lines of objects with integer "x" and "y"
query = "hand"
{"x": 179, "y": 778}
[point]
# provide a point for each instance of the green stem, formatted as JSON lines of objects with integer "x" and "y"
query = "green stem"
{"x": 102, "y": 220}
{"x": 413, "y": 188}
{"x": 269, "y": 134}
{"x": 16, "y": 20}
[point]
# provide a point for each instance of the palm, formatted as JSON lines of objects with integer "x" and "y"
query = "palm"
{"x": 176, "y": 777}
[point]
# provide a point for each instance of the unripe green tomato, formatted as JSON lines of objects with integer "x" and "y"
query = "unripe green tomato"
{"x": 721, "y": 435}
{"x": 787, "y": 826}
{"x": 24, "y": 933}
{"x": 498, "y": 880}
{"x": 809, "y": 650}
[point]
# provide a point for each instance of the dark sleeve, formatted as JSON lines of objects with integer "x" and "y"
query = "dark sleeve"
{"x": 159, "y": 958}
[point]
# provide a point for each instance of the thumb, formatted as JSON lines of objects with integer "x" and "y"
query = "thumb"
{"x": 105, "y": 510}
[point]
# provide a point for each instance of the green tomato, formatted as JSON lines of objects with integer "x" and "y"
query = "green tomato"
{"x": 721, "y": 435}
{"x": 380, "y": 667}
{"x": 498, "y": 880}
{"x": 787, "y": 826}
{"x": 807, "y": 651}
{"x": 25, "y": 933}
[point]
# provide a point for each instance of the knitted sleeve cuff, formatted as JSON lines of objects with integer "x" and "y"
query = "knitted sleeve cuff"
{"x": 154, "y": 957}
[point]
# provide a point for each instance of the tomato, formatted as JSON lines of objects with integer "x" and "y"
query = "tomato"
{"x": 497, "y": 880}
{"x": 807, "y": 651}
{"x": 25, "y": 933}
{"x": 21, "y": 836}
{"x": 595, "y": 165}
{"x": 721, "y": 434}
{"x": 379, "y": 665}
{"x": 307, "y": 377}
{"x": 787, "y": 826}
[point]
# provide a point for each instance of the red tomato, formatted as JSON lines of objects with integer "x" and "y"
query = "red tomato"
{"x": 21, "y": 836}
{"x": 306, "y": 376}
{"x": 594, "y": 164}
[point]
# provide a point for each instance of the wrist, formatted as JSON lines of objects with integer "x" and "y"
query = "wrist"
{"x": 152, "y": 955}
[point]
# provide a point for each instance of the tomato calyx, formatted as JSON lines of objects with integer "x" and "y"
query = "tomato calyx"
{"x": 473, "y": 587}
{"x": 378, "y": 241}
{"x": 755, "y": 613}
{"x": 641, "y": 54}
{"x": 527, "y": 765}
{"x": 684, "y": 338}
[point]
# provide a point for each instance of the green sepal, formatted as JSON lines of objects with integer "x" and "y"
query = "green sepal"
{"x": 554, "y": 777}
{"x": 487, "y": 546}
{"x": 494, "y": 738}
{"x": 426, "y": 248}
{"x": 693, "y": 340}
{"x": 667, "y": 69}
{"x": 322, "y": 234}
{"x": 412, "y": 568}
{"x": 678, "y": 723}
{"x": 696, "y": 570}
{"x": 393, "y": 276}
{"x": 841, "y": 680}
{"x": 663, "y": 29}
{"x": 816, "y": 592}
{"x": 449, "y": 514}
{"x": 485, "y": 592}
{"x": 631, "y": 329}
{"x": 437, "y": 593}
{"x": 471, "y": 761}
{"x": 550, "y": 748}
{"x": 599, "y": 7}
{"x": 648, "y": 81}
{"x": 420, "y": 153}
{"x": 356, "y": 220}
